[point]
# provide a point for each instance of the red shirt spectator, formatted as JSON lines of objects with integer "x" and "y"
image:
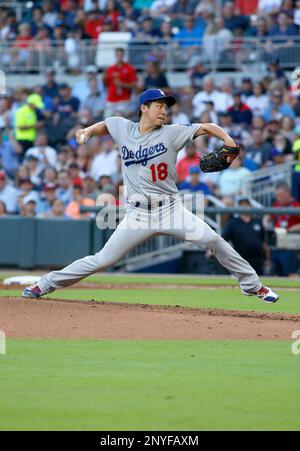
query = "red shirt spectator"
{"x": 24, "y": 37}
{"x": 246, "y": 7}
{"x": 286, "y": 221}
{"x": 283, "y": 199}
{"x": 94, "y": 24}
{"x": 192, "y": 159}
{"x": 120, "y": 79}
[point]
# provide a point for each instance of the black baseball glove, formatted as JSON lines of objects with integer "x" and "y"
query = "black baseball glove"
{"x": 221, "y": 158}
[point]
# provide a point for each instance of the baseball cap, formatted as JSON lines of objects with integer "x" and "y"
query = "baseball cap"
{"x": 77, "y": 182}
{"x": 32, "y": 197}
{"x": 64, "y": 86}
{"x": 194, "y": 170}
{"x": 155, "y": 94}
{"x": 50, "y": 187}
{"x": 2, "y": 175}
{"x": 36, "y": 100}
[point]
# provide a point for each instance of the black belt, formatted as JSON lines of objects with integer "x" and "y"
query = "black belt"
{"x": 150, "y": 205}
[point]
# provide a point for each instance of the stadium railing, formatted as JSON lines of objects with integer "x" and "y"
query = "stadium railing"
{"x": 245, "y": 54}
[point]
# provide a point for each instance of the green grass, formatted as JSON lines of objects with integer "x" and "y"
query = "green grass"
{"x": 178, "y": 279}
{"x": 219, "y": 298}
{"x": 151, "y": 385}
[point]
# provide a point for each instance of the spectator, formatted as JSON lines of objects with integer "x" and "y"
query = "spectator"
{"x": 258, "y": 102}
{"x": 278, "y": 108}
{"x": 89, "y": 188}
{"x": 120, "y": 80}
{"x": 259, "y": 150}
{"x": 160, "y": 7}
{"x": 282, "y": 146}
{"x": 64, "y": 189}
{"x": 246, "y": 88}
{"x": 190, "y": 35}
{"x": 82, "y": 88}
{"x": 283, "y": 27}
{"x": 8, "y": 194}
{"x": 20, "y": 51}
{"x": 284, "y": 261}
{"x": 49, "y": 13}
{"x": 112, "y": 13}
{"x": 3, "y": 211}
{"x": 275, "y": 72}
{"x": 177, "y": 116}
{"x": 232, "y": 180}
{"x": 31, "y": 162}
{"x": 73, "y": 209}
{"x": 93, "y": 24}
{"x": 50, "y": 88}
{"x": 221, "y": 100}
{"x": 46, "y": 155}
{"x": 95, "y": 101}
{"x": 29, "y": 203}
{"x": 48, "y": 196}
{"x": 49, "y": 176}
{"x": 57, "y": 211}
{"x": 269, "y": 6}
{"x": 239, "y": 111}
{"x": 182, "y": 7}
{"x": 287, "y": 127}
{"x": 68, "y": 105}
{"x": 259, "y": 30}
{"x": 105, "y": 163}
{"x": 155, "y": 77}
{"x": 247, "y": 237}
{"x": 83, "y": 158}
{"x": 217, "y": 39}
{"x": 9, "y": 154}
{"x": 246, "y": 7}
{"x": 197, "y": 71}
{"x": 27, "y": 121}
{"x": 192, "y": 158}
{"x": 193, "y": 183}
{"x": 233, "y": 21}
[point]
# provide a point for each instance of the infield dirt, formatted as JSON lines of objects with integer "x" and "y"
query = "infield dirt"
{"x": 60, "y": 318}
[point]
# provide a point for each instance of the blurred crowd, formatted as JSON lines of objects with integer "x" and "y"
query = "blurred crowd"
{"x": 41, "y": 162}
{"x": 45, "y": 21}
{"x": 210, "y": 24}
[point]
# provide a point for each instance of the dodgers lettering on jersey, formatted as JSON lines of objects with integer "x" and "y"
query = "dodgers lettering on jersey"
{"x": 149, "y": 159}
{"x": 142, "y": 155}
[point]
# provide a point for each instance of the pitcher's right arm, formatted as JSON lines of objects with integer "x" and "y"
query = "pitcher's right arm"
{"x": 98, "y": 129}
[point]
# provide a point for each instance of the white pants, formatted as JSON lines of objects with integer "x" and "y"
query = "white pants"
{"x": 139, "y": 225}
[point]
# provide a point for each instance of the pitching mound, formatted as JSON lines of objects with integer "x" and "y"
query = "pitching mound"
{"x": 46, "y": 318}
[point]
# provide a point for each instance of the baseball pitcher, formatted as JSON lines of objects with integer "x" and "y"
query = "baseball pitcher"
{"x": 148, "y": 151}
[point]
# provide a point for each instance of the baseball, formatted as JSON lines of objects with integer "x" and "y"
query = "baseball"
{"x": 81, "y": 138}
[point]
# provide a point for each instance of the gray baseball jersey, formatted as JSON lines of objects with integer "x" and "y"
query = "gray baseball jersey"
{"x": 148, "y": 160}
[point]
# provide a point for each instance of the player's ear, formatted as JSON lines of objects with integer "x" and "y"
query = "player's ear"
{"x": 144, "y": 108}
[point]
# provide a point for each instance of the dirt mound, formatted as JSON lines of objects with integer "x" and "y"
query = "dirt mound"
{"x": 20, "y": 318}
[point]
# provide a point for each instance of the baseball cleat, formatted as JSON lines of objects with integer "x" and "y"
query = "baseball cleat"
{"x": 264, "y": 293}
{"x": 32, "y": 292}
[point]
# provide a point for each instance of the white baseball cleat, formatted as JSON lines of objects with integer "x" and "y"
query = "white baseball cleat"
{"x": 264, "y": 293}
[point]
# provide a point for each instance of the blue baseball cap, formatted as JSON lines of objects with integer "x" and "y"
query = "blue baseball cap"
{"x": 155, "y": 94}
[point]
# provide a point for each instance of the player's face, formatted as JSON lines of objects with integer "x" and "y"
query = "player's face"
{"x": 156, "y": 113}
